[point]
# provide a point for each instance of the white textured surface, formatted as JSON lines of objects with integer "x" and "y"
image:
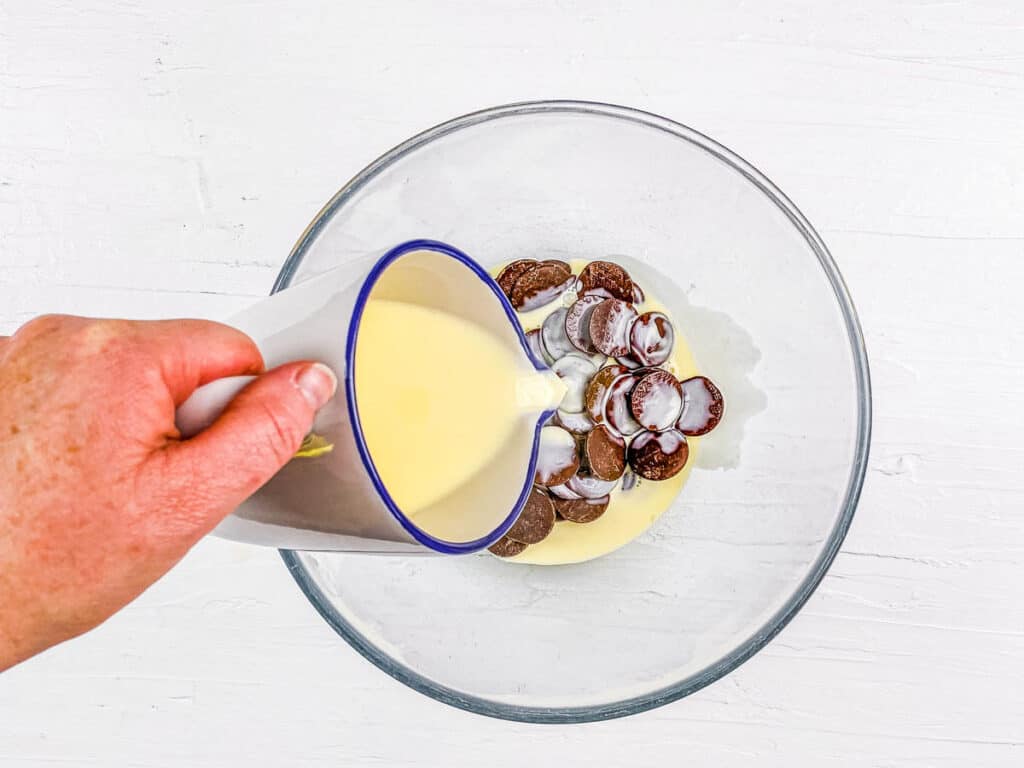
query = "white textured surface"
{"x": 159, "y": 160}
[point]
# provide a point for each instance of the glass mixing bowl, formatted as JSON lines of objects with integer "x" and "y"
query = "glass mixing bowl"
{"x": 766, "y": 313}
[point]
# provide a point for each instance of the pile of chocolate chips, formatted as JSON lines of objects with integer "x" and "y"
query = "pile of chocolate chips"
{"x": 623, "y": 416}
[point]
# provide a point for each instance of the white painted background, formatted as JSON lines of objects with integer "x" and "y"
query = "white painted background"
{"x": 160, "y": 159}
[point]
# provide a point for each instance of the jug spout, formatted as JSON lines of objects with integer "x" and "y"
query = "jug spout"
{"x": 539, "y": 391}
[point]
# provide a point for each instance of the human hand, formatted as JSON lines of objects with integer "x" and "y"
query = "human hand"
{"x": 99, "y": 496}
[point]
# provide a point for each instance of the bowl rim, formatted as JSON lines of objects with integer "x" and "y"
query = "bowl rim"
{"x": 812, "y": 579}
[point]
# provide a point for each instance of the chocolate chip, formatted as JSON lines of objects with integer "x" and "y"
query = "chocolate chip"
{"x": 596, "y": 396}
{"x": 581, "y": 510}
{"x": 657, "y": 400}
{"x": 651, "y": 338}
{"x": 608, "y": 276}
{"x": 659, "y": 455}
{"x": 703, "y": 406}
{"x": 506, "y": 547}
{"x": 577, "y": 323}
{"x": 535, "y": 521}
{"x": 606, "y": 453}
{"x": 557, "y": 456}
{"x": 512, "y": 272}
{"x": 540, "y": 285}
{"x": 610, "y": 324}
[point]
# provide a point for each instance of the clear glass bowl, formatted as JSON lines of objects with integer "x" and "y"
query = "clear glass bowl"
{"x": 765, "y": 509}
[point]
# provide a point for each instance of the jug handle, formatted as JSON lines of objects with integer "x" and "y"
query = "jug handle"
{"x": 204, "y": 405}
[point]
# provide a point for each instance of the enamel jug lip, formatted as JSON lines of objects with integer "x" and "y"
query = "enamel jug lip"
{"x": 434, "y": 543}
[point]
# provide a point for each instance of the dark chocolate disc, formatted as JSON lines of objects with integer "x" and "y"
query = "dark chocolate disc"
{"x": 581, "y": 510}
{"x": 617, "y": 413}
{"x": 596, "y": 395}
{"x": 577, "y": 423}
{"x": 610, "y": 324}
{"x": 556, "y": 343}
{"x": 608, "y": 276}
{"x": 599, "y": 293}
{"x": 536, "y": 520}
{"x": 605, "y": 452}
{"x": 557, "y": 456}
{"x": 506, "y": 547}
{"x": 507, "y": 277}
{"x": 627, "y": 361}
{"x": 703, "y": 406}
{"x": 587, "y": 486}
{"x": 564, "y": 492}
{"x": 536, "y": 345}
{"x": 659, "y": 455}
{"x": 577, "y": 323}
{"x": 540, "y": 285}
{"x": 657, "y": 400}
{"x": 575, "y": 370}
{"x": 651, "y": 338}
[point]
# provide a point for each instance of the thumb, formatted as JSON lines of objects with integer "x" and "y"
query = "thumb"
{"x": 256, "y": 435}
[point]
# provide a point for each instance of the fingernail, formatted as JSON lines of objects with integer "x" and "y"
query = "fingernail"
{"x": 317, "y": 383}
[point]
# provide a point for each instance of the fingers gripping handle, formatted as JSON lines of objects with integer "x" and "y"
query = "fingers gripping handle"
{"x": 204, "y": 405}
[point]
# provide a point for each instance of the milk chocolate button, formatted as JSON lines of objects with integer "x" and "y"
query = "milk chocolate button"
{"x": 536, "y": 345}
{"x": 659, "y": 455}
{"x": 540, "y": 285}
{"x": 610, "y": 323}
{"x": 606, "y": 453}
{"x": 651, "y": 338}
{"x": 506, "y": 547}
{"x": 575, "y": 371}
{"x": 552, "y": 332}
{"x": 577, "y": 423}
{"x": 507, "y": 277}
{"x": 581, "y": 510}
{"x": 586, "y": 486}
{"x": 617, "y": 413}
{"x": 535, "y": 521}
{"x": 557, "y": 457}
{"x": 577, "y": 323}
{"x": 657, "y": 400}
{"x": 610, "y": 277}
{"x": 703, "y": 406}
{"x": 596, "y": 396}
